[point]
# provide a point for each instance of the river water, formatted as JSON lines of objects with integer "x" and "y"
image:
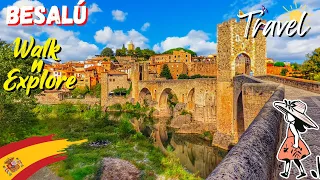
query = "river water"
{"x": 195, "y": 153}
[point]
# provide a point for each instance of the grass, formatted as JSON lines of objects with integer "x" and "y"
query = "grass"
{"x": 76, "y": 122}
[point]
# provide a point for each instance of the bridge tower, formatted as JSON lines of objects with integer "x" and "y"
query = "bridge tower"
{"x": 232, "y": 43}
{"x": 140, "y": 72}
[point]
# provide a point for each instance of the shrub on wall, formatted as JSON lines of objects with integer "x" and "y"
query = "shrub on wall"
{"x": 183, "y": 76}
{"x": 284, "y": 72}
{"x": 279, "y": 64}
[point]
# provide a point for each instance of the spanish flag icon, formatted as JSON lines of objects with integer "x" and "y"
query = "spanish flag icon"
{"x": 19, "y": 160}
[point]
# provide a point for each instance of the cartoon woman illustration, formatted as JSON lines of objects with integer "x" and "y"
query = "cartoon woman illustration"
{"x": 294, "y": 148}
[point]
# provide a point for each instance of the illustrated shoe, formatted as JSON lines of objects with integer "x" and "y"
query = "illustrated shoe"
{"x": 284, "y": 174}
{"x": 301, "y": 175}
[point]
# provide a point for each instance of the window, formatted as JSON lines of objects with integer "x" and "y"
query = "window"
{"x": 237, "y": 38}
{"x": 242, "y": 45}
{"x": 187, "y": 60}
{"x": 114, "y": 80}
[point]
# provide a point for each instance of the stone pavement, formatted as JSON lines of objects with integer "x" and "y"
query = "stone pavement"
{"x": 311, "y": 137}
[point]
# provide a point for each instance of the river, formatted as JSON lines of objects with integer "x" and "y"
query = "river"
{"x": 195, "y": 153}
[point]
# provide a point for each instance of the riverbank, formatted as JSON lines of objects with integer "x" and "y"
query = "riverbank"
{"x": 107, "y": 138}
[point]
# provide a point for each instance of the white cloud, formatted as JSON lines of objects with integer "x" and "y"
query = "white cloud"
{"x": 310, "y": 3}
{"x": 119, "y": 15}
{"x": 145, "y": 26}
{"x": 94, "y": 8}
{"x": 197, "y": 41}
{"x": 70, "y": 43}
{"x": 296, "y": 48}
{"x": 116, "y": 38}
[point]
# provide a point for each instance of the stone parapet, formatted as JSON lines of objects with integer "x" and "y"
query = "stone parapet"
{"x": 254, "y": 156}
{"x": 308, "y": 85}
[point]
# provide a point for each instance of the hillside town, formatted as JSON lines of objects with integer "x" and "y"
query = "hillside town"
{"x": 181, "y": 65}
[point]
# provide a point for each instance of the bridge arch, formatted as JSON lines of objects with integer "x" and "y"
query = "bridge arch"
{"x": 242, "y": 64}
{"x": 145, "y": 95}
{"x": 240, "y": 116}
{"x": 166, "y": 95}
{"x": 191, "y": 100}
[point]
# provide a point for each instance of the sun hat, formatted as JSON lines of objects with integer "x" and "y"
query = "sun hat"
{"x": 298, "y": 109}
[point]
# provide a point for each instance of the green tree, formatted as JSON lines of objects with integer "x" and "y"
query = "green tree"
{"x": 124, "y": 50}
{"x": 16, "y": 117}
{"x": 284, "y": 72}
{"x": 170, "y": 51}
{"x": 166, "y": 72}
{"x": 296, "y": 66}
{"x": 317, "y": 77}
{"x": 131, "y": 53}
{"x": 147, "y": 53}
{"x": 183, "y": 76}
{"x": 311, "y": 67}
{"x": 138, "y": 52}
{"x": 107, "y": 52}
{"x": 279, "y": 64}
{"x": 118, "y": 52}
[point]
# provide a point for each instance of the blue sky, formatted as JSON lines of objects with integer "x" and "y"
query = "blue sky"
{"x": 168, "y": 24}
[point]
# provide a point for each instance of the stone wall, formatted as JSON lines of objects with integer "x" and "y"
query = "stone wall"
{"x": 52, "y": 98}
{"x": 254, "y": 98}
{"x": 254, "y": 157}
{"x": 308, "y": 85}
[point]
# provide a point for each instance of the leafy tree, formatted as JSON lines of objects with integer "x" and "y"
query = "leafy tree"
{"x": 311, "y": 67}
{"x": 284, "y": 72}
{"x": 165, "y": 72}
{"x": 170, "y": 51}
{"x": 183, "y": 76}
{"x": 296, "y": 66}
{"x": 130, "y": 53}
{"x": 118, "y": 52}
{"x": 16, "y": 117}
{"x": 124, "y": 50}
{"x": 317, "y": 77}
{"x": 147, "y": 53}
{"x": 279, "y": 64}
{"x": 107, "y": 52}
{"x": 138, "y": 52}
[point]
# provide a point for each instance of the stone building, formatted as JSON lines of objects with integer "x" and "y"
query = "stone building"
{"x": 115, "y": 80}
{"x": 176, "y": 56}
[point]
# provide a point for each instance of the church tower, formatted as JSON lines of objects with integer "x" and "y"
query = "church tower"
{"x": 130, "y": 46}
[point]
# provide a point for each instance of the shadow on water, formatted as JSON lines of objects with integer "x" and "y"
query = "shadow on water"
{"x": 195, "y": 154}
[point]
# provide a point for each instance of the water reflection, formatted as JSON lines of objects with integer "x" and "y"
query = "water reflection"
{"x": 195, "y": 153}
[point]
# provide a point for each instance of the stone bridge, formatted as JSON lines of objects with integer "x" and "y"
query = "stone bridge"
{"x": 198, "y": 95}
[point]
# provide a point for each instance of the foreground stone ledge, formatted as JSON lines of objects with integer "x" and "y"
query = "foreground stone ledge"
{"x": 308, "y": 85}
{"x": 254, "y": 157}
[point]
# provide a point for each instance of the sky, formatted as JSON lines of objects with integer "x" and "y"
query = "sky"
{"x": 162, "y": 25}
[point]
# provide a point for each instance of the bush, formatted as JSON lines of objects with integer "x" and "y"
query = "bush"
{"x": 279, "y": 64}
{"x": 116, "y": 107}
{"x": 183, "y": 76}
{"x": 195, "y": 76}
{"x": 125, "y": 128}
{"x": 317, "y": 77}
{"x": 284, "y": 72}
